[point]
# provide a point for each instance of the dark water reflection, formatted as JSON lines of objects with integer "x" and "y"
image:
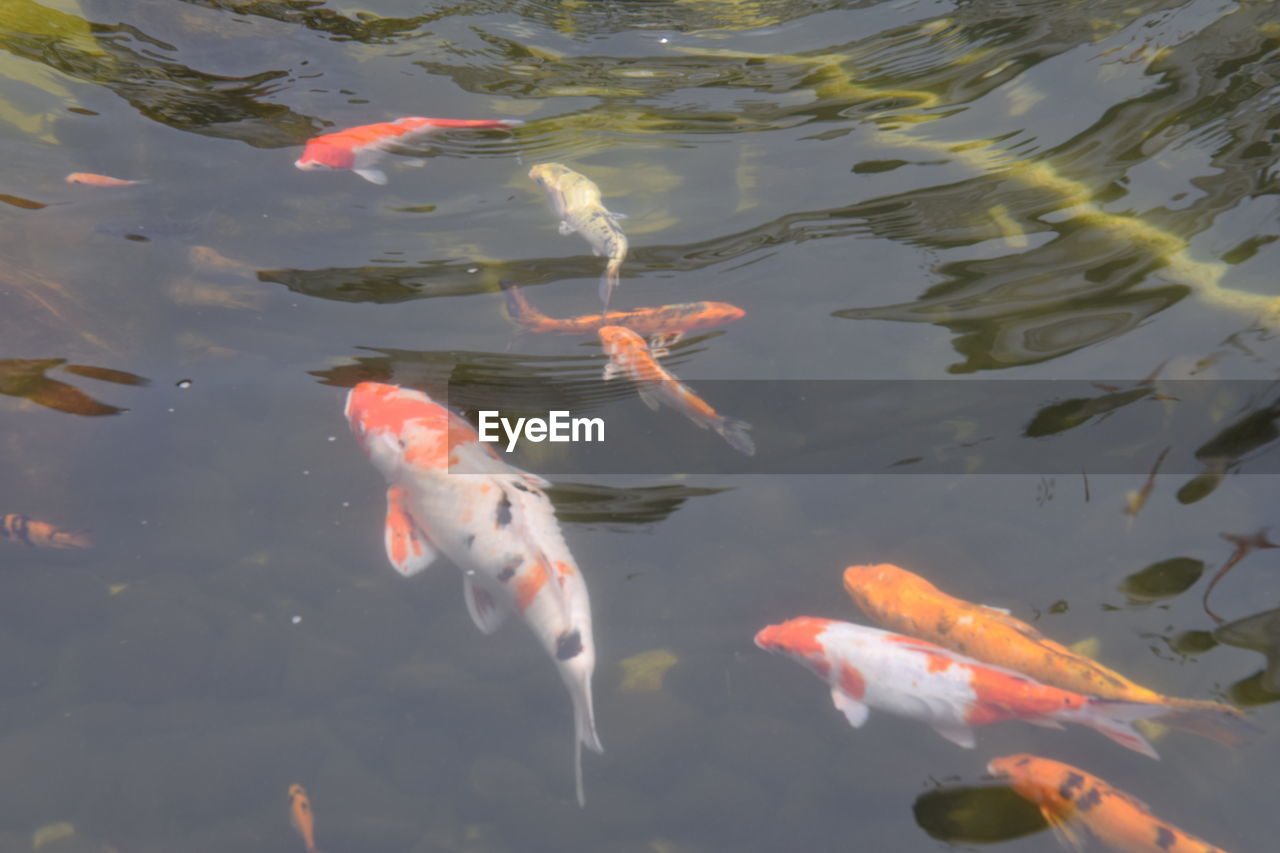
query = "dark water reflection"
{"x": 898, "y": 191}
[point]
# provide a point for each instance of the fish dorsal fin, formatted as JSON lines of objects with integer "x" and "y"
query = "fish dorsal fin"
{"x": 408, "y": 548}
{"x": 486, "y": 609}
{"x": 957, "y": 734}
{"x": 854, "y": 711}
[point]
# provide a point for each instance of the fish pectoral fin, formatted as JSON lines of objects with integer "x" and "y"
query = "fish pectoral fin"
{"x": 565, "y": 228}
{"x": 648, "y": 392}
{"x": 1070, "y": 833}
{"x": 1003, "y": 611}
{"x": 486, "y": 611}
{"x": 854, "y": 711}
{"x": 957, "y": 734}
{"x": 373, "y": 176}
{"x": 611, "y": 371}
{"x": 408, "y": 548}
{"x": 1043, "y": 722}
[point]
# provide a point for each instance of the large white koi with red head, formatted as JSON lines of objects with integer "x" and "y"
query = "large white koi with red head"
{"x": 869, "y": 668}
{"x": 449, "y": 494}
{"x": 358, "y": 149}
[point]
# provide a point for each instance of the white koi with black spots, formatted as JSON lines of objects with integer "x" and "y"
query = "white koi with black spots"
{"x": 449, "y": 494}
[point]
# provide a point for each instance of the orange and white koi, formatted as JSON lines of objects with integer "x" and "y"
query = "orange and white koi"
{"x": 90, "y": 179}
{"x": 903, "y": 601}
{"x": 576, "y": 200}
{"x": 1072, "y": 800}
{"x": 869, "y": 668}
{"x": 301, "y": 817}
{"x": 22, "y": 528}
{"x": 629, "y": 355}
{"x": 449, "y": 494}
{"x": 669, "y": 321}
{"x": 358, "y": 149}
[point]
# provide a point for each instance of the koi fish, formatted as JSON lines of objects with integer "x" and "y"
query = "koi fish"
{"x": 902, "y": 601}
{"x": 630, "y": 355}
{"x": 358, "y": 149}
{"x": 1072, "y": 800}
{"x": 90, "y": 179}
{"x": 670, "y": 321}
{"x": 576, "y": 200}
{"x": 21, "y": 528}
{"x": 301, "y": 817}
{"x": 869, "y": 668}
{"x": 449, "y": 494}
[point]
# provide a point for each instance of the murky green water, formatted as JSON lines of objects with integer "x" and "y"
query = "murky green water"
{"x": 902, "y": 191}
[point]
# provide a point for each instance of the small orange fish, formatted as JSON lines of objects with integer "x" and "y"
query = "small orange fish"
{"x": 671, "y": 321}
{"x": 631, "y": 356}
{"x": 93, "y": 180}
{"x": 905, "y": 602}
{"x": 1072, "y": 800}
{"x": 21, "y": 528}
{"x": 358, "y": 149}
{"x": 301, "y": 817}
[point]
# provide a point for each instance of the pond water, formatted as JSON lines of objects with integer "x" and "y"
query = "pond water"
{"x": 893, "y": 192}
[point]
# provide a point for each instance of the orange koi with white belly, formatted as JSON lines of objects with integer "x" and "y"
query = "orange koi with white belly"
{"x": 449, "y": 494}
{"x": 903, "y": 601}
{"x": 358, "y": 149}
{"x": 1072, "y": 800}
{"x": 669, "y": 321}
{"x": 868, "y": 668}
{"x": 630, "y": 356}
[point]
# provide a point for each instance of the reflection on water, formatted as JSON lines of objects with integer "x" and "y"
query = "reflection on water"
{"x": 887, "y": 190}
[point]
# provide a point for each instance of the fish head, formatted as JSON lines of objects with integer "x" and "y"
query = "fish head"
{"x": 799, "y": 638}
{"x": 401, "y": 428}
{"x": 549, "y": 175}
{"x": 323, "y": 155}
{"x": 860, "y": 581}
{"x": 617, "y": 340}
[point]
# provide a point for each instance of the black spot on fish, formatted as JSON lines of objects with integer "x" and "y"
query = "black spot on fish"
{"x": 1021, "y": 762}
{"x": 509, "y": 570}
{"x": 1165, "y": 839}
{"x": 569, "y": 646}
{"x": 504, "y": 510}
{"x": 469, "y": 541}
{"x": 1074, "y": 780}
{"x": 1090, "y": 799}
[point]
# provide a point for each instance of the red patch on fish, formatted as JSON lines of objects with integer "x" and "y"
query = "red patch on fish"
{"x": 1004, "y": 695}
{"x": 852, "y": 682}
{"x": 529, "y": 584}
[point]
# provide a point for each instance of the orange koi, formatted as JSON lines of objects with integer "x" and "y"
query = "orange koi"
{"x": 21, "y": 528}
{"x": 1072, "y": 800}
{"x": 358, "y": 149}
{"x": 670, "y": 321}
{"x": 868, "y": 668}
{"x": 301, "y": 817}
{"x": 630, "y": 355}
{"x": 90, "y": 179}
{"x": 903, "y": 601}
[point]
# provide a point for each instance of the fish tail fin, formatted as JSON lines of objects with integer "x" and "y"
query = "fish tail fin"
{"x": 1217, "y": 721}
{"x": 1115, "y": 719}
{"x": 584, "y": 726}
{"x": 609, "y": 282}
{"x": 735, "y": 432}
{"x": 518, "y": 307}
